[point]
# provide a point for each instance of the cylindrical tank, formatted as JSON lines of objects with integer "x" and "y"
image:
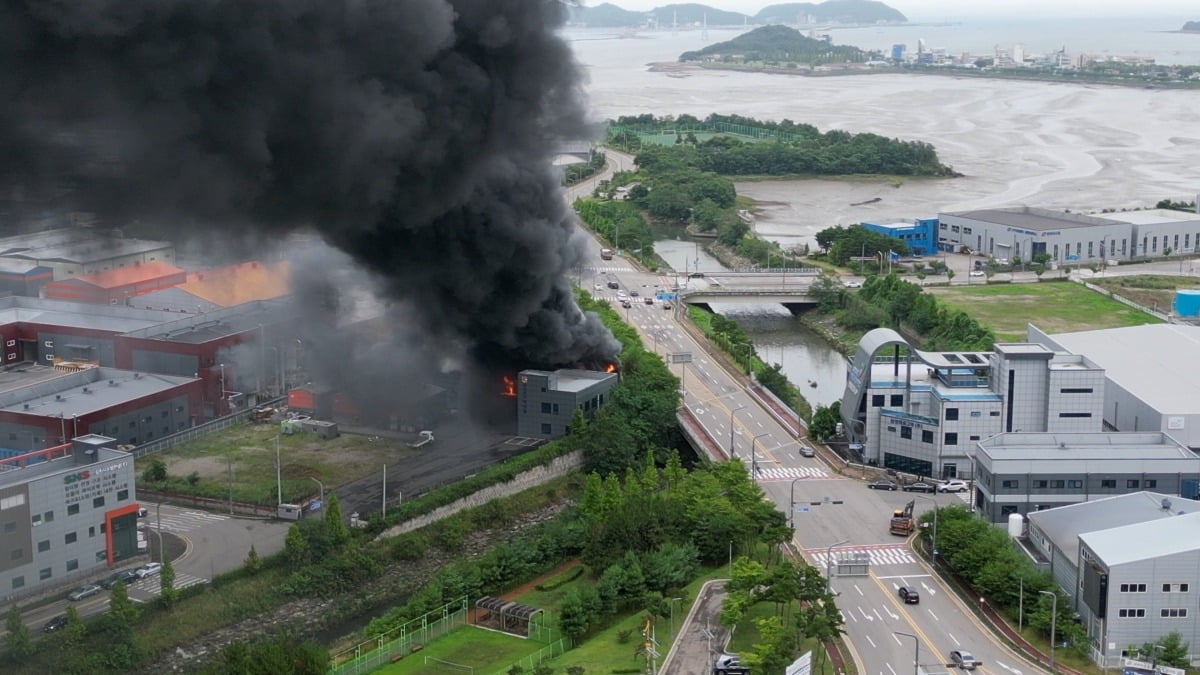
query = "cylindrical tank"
{"x": 1187, "y": 302}
{"x": 1016, "y": 524}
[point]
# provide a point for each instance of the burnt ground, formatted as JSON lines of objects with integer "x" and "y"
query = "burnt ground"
{"x": 459, "y": 450}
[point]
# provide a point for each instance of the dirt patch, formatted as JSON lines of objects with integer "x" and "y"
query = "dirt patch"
{"x": 207, "y": 467}
{"x": 517, "y": 592}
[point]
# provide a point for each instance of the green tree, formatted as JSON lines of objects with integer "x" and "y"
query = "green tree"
{"x": 775, "y": 650}
{"x": 573, "y": 617}
{"x": 295, "y": 548}
{"x": 168, "y": 594}
{"x": 280, "y": 656}
{"x": 20, "y": 644}
{"x": 333, "y": 520}
{"x": 156, "y": 471}
{"x": 122, "y": 651}
{"x": 825, "y": 420}
{"x": 252, "y": 563}
{"x": 1168, "y": 650}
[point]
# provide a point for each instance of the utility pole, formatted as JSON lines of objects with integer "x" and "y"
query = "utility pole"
{"x": 278, "y": 472}
{"x": 383, "y": 510}
{"x": 1053, "y": 620}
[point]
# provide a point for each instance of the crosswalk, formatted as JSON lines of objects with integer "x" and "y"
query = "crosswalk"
{"x": 612, "y": 298}
{"x": 881, "y": 554}
{"x": 604, "y": 269}
{"x": 183, "y": 521}
{"x": 776, "y": 474}
{"x": 152, "y": 585}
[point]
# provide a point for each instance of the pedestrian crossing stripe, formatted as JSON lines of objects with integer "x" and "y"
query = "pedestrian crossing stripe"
{"x": 790, "y": 472}
{"x": 153, "y": 584}
{"x": 888, "y": 554}
{"x": 611, "y": 268}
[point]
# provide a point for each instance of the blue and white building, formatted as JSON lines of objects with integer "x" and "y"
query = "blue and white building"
{"x": 920, "y": 234}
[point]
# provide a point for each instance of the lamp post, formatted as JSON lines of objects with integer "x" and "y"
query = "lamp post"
{"x": 673, "y": 601}
{"x": 221, "y": 404}
{"x": 322, "y": 497}
{"x": 829, "y": 562}
{"x": 278, "y": 368}
{"x": 1020, "y": 604}
{"x": 753, "y": 456}
{"x": 278, "y": 472}
{"x": 916, "y": 650}
{"x": 1053, "y": 620}
{"x": 158, "y": 530}
{"x": 792, "y": 500}
{"x": 733, "y": 412}
{"x": 933, "y": 546}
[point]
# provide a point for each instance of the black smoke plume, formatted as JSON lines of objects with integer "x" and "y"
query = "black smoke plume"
{"x": 414, "y": 135}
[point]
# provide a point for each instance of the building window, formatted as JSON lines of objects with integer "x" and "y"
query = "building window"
{"x": 897, "y": 400}
{"x": 1173, "y": 613}
{"x": 1040, "y": 484}
{"x": 49, "y": 517}
{"x": 926, "y": 436}
{"x": 44, "y": 573}
{"x": 966, "y": 230}
{"x": 1131, "y": 483}
{"x": 976, "y": 413}
{"x": 122, "y": 495}
{"x": 1133, "y": 588}
{"x": 1010, "y": 484}
{"x": 877, "y": 400}
{"x": 993, "y": 413}
{"x": 72, "y": 564}
{"x": 1007, "y": 509}
{"x": 1075, "y": 484}
{"x": 1108, "y": 483}
{"x": 18, "y": 582}
{"x": 545, "y": 408}
{"x": 974, "y": 438}
{"x": 1074, "y": 414}
{"x": 36, "y": 519}
{"x": 98, "y": 502}
{"x": 73, "y": 509}
{"x": 545, "y": 428}
{"x": 891, "y": 428}
{"x": 1057, "y": 484}
{"x": 1151, "y": 483}
{"x": 905, "y": 432}
{"x": 101, "y": 556}
{"x": 103, "y": 528}
{"x": 1131, "y": 613}
{"x": 951, "y": 414}
{"x": 951, "y": 438}
{"x": 1075, "y": 390}
{"x": 10, "y": 526}
{"x": 1175, "y": 588}
{"x": 92, "y": 531}
{"x": 43, "y": 546}
{"x": 70, "y": 538}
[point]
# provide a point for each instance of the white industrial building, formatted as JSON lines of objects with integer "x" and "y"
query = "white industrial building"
{"x": 1160, "y": 232}
{"x": 1130, "y": 565}
{"x": 1025, "y": 232}
{"x": 1152, "y": 372}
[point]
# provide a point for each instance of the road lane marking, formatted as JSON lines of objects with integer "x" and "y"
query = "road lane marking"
{"x": 889, "y": 666}
{"x": 935, "y": 618}
{"x": 1009, "y": 668}
{"x": 866, "y": 616}
{"x": 859, "y": 590}
{"x": 905, "y": 576}
{"x": 876, "y": 612}
{"x": 956, "y": 642}
{"x": 871, "y": 641}
{"x": 931, "y": 591}
{"x": 897, "y": 639}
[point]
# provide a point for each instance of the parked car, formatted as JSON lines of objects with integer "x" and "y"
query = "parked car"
{"x": 964, "y": 659}
{"x": 147, "y": 570}
{"x": 954, "y": 486}
{"x": 881, "y": 485}
{"x": 852, "y": 284}
{"x": 57, "y": 623}
{"x": 919, "y": 487}
{"x": 909, "y": 595}
{"x": 142, "y": 512}
{"x": 729, "y": 664}
{"x": 124, "y": 576}
{"x": 666, "y": 305}
{"x": 84, "y": 592}
{"x": 806, "y": 451}
{"x": 978, "y": 273}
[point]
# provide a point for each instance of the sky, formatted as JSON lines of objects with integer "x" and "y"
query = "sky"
{"x": 917, "y": 10}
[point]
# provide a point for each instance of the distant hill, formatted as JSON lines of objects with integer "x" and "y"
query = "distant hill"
{"x": 608, "y": 15}
{"x": 779, "y": 43}
{"x": 831, "y": 11}
{"x": 1191, "y": 27}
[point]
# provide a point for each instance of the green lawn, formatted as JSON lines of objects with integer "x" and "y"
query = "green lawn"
{"x": 483, "y": 650}
{"x": 1054, "y": 307}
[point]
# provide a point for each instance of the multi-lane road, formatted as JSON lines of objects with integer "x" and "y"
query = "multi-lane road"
{"x": 876, "y": 618}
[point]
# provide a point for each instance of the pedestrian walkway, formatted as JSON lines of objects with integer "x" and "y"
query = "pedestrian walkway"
{"x": 787, "y": 473}
{"x": 612, "y": 268}
{"x": 881, "y": 554}
{"x": 152, "y": 585}
{"x": 183, "y": 521}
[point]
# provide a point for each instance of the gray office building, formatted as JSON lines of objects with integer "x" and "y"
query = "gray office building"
{"x": 546, "y": 400}
{"x": 67, "y": 514}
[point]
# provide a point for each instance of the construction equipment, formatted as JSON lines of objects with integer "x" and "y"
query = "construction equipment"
{"x": 902, "y": 520}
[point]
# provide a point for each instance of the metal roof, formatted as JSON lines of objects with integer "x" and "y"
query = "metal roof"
{"x": 1155, "y": 362}
{"x": 1064, "y": 524}
{"x": 1030, "y": 218}
{"x": 125, "y": 276}
{"x": 74, "y": 245}
{"x": 200, "y": 328}
{"x": 17, "y": 309}
{"x": 1177, "y": 531}
{"x": 1151, "y": 216}
{"x": 86, "y": 391}
{"x": 1077, "y": 453}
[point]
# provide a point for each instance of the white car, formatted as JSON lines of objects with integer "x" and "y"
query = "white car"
{"x": 852, "y": 284}
{"x": 953, "y": 486}
{"x": 599, "y": 287}
{"x": 147, "y": 570}
{"x": 978, "y": 273}
{"x": 621, "y": 295}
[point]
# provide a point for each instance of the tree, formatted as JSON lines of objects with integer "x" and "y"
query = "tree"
{"x": 252, "y": 563}
{"x": 774, "y": 652}
{"x": 295, "y": 548}
{"x": 20, "y": 644}
{"x": 156, "y": 472}
{"x": 1168, "y": 650}
{"x": 167, "y": 594}
{"x": 122, "y": 651}
{"x": 333, "y": 520}
{"x": 825, "y": 421}
{"x": 573, "y": 617}
{"x": 274, "y": 656}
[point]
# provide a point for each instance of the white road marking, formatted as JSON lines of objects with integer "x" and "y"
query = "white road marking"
{"x": 876, "y": 612}
{"x": 890, "y": 667}
{"x": 897, "y": 640}
{"x": 956, "y": 642}
{"x": 1009, "y": 668}
{"x": 889, "y": 611}
{"x": 935, "y": 618}
{"x": 872, "y": 643}
{"x": 859, "y": 590}
{"x": 866, "y": 616}
{"x": 931, "y": 591}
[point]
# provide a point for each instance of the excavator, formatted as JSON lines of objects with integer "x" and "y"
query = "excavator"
{"x": 902, "y": 520}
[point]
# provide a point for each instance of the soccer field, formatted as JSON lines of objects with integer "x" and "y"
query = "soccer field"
{"x": 466, "y": 650}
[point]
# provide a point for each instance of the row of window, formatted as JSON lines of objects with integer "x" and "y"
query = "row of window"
{"x": 68, "y": 538}
{"x": 1141, "y": 588}
{"x": 1171, "y": 613}
{"x": 48, "y": 572}
{"x": 72, "y": 509}
{"x": 1131, "y": 483}
{"x": 878, "y": 399}
{"x": 952, "y": 414}
{"x": 951, "y": 437}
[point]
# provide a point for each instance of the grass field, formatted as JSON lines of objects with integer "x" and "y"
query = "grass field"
{"x": 1052, "y": 307}
{"x": 249, "y": 452}
{"x": 484, "y": 651}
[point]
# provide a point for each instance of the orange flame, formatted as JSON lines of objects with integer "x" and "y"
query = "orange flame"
{"x": 610, "y": 368}
{"x": 510, "y": 387}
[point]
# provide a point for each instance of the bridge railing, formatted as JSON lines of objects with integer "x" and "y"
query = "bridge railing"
{"x": 798, "y": 271}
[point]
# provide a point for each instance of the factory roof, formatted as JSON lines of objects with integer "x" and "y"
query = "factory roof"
{"x": 201, "y": 328}
{"x": 1146, "y": 540}
{"x": 1154, "y": 362}
{"x": 18, "y": 309}
{"x": 174, "y": 299}
{"x": 74, "y": 245}
{"x": 85, "y": 391}
{"x": 126, "y": 276}
{"x": 572, "y": 380}
{"x": 240, "y": 283}
{"x": 1151, "y": 216}
{"x": 1030, "y": 218}
{"x": 892, "y": 224}
{"x": 1064, "y": 524}
{"x": 1080, "y": 453}
{"x": 61, "y": 464}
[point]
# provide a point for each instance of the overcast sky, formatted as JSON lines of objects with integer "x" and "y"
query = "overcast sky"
{"x": 917, "y": 10}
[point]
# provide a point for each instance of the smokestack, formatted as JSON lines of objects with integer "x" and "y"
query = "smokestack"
{"x": 416, "y": 136}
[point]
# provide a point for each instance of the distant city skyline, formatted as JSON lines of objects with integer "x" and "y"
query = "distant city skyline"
{"x": 920, "y": 10}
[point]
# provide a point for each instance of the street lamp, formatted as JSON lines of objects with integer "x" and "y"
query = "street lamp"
{"x": 278, "y": 472}
{"x": 753, "y": 456}
{"x": 673, "y": 601}
{"x": 221, "y": 406}
{"x": 1053, "y": 619}
{"x": 792, "y": 500}
{"x": 1020, "y": 604}
{"x": 916, "y": 650}
{"x": 933, "y": 546}
{"x": 829, "y": 562}
{"x": 322, "y": 497}
{"x": 733, "y": 412}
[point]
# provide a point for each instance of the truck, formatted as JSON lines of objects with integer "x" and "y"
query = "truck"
{"x": 902, "y": 520}
{"x": 606, "y": 254}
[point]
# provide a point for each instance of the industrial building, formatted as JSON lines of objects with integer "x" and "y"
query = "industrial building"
{"x": 73, "y": 251}
{"x": 115, "y": 286}
{"x": 220, "y": 287}
{"x": 546, "y": 400}
{"x": 920, "y": 235}
{"x": 1025, "y": 232}
{"x": 23, "y": 278}
{"x": 1160, "y": 232}
{"x": 1029, "y": 472}
{"x": 65, "y": 517}
{"x": 1130, "y": 565}
{"x": 1152, "y": 375}
{"x": 923, "y": 412}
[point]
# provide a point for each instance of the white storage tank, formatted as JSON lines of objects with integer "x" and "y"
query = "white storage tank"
{"x": 1016, "y": 525}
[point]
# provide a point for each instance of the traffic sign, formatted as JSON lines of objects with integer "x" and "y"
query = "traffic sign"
{"x": 681, "y": 357}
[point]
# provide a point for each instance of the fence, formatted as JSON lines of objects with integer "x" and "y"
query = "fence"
{"x": 1126, "y": 301}
{"x": 531, "y": 661}
{"x": 380, "y": 651}
{"x": 160, "y": 444}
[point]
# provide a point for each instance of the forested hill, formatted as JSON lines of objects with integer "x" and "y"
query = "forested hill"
{"x": 1191, "y": 27}
{"x": 779, "y": 43}
{"x": 608, "y": 15}
{"x": 832, "y": 11}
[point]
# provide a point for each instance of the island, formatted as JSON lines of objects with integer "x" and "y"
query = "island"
{"x": 1191, "y": 27}
{"x": 682, "y": 15}
{"x": 777, "y": 47}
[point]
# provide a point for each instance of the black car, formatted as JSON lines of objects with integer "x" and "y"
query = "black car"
{"x": 919, "y": 487}
{"x": 881, "y": 485}
{"x": 56, "y": 624}
{"x": 909, "y": 595}
{"x": 126, "y": 577}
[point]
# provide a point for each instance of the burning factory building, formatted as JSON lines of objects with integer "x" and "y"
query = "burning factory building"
{"x": 546, "y": 400}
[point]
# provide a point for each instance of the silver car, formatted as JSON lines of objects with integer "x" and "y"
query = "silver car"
{"x": 84, "y": 592}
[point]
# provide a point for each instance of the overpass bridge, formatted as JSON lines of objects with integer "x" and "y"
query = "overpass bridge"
{"x": 788, "y": 288}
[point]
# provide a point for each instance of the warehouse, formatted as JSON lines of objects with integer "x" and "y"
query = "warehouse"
{"x": 1152, "y": 375}
{"x": 1024, "y": 233}
{"x": 115, "y": 286}
{"x": 920, "y": 235}
{"x": 1161, "y": 232}
{"x": 65, "y": 519}
{"x": 546, "y": 400}
{"x": 72, "y": 251}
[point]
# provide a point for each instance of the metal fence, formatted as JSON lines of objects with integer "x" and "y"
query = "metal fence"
{"x": 531, "y": 661}
{"x": 160, "y": 444}
{"x": 380, "y": 651}
{"x": 1126, "y": 301}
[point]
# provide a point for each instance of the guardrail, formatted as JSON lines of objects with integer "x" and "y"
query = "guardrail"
{"x": 798, "y": 271}
{"x": 160, "y": 444}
